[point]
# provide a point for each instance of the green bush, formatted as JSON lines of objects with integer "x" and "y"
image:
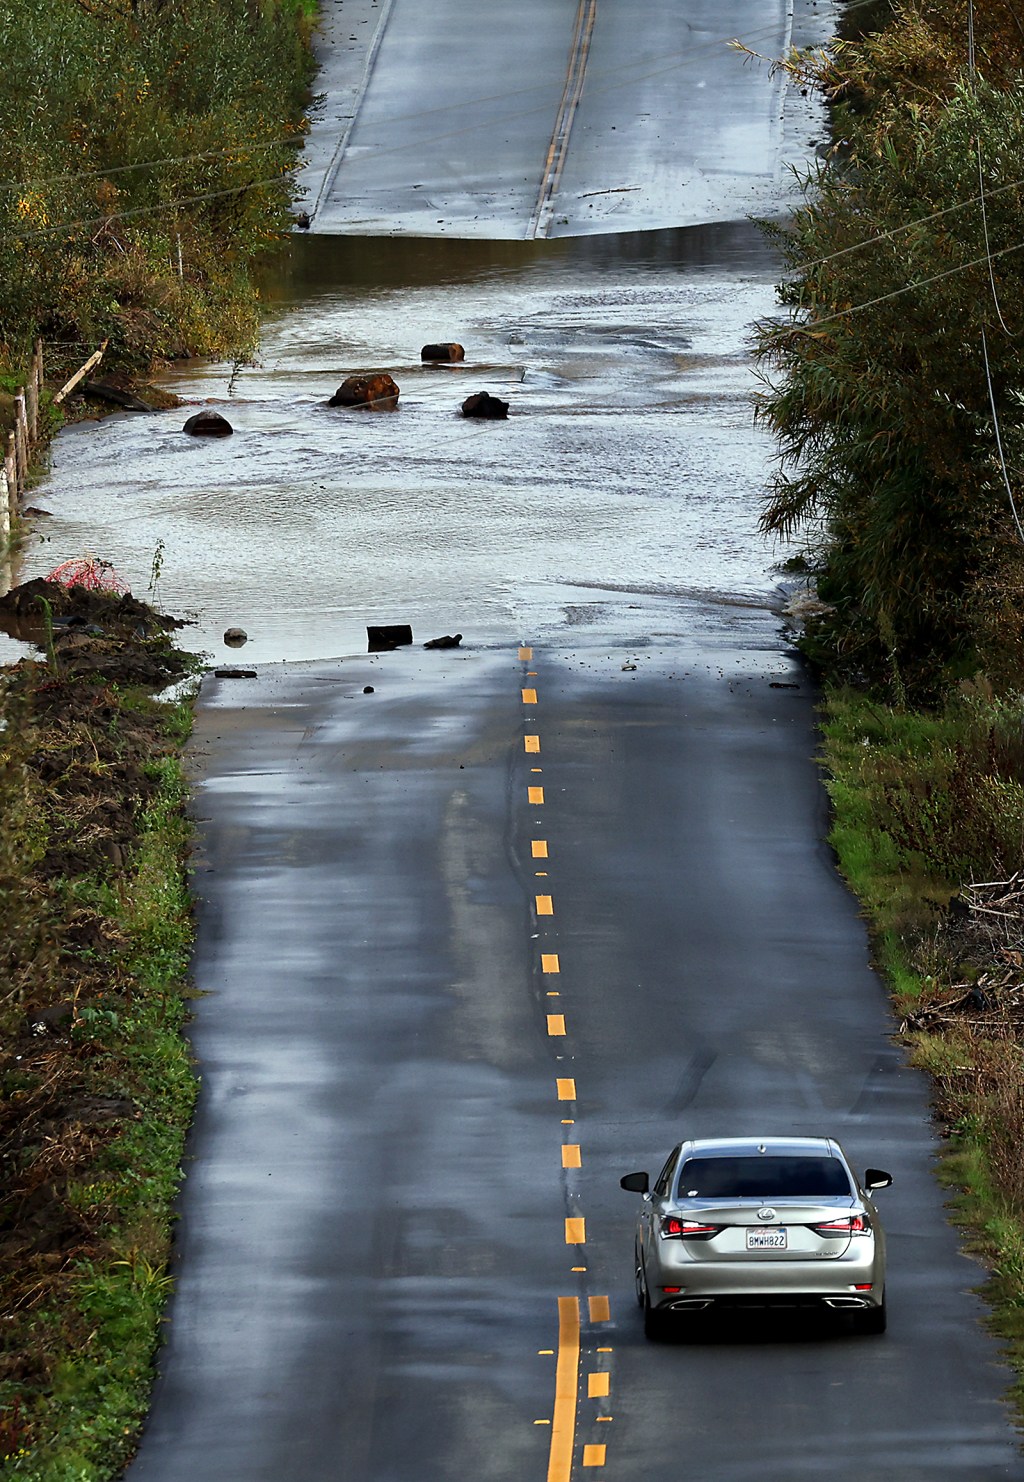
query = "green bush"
{"x": 146, "y": 155}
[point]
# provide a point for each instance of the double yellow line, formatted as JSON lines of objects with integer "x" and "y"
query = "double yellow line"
{"x": 558, "y": 149}
{"x": 567, "y": 1371}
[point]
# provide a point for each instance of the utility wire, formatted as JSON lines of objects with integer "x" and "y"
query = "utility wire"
{"x": 667, "y": 62}
{"x": 101, "y": 218}
{"x": 883, "y": 298}
{"x": 988, "y": 249}
{"x": 991, "y": 276}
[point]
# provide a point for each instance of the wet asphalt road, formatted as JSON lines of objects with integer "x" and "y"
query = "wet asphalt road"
{"x": 374, "y": 1274}
{"x": 377, "y": 1277}
{"x": 555, "y": 118}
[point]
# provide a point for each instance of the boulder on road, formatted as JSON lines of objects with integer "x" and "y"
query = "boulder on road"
{"x": 443, "y": 352}
{"x": 483, "y": 404}
{"x": 378, "y": 393}
{"x": 450, "y": 640}
{"x": 208, "y": 424}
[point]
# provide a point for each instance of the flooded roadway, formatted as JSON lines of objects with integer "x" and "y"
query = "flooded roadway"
{"x": 621, "y": 495}
{"x": 392, "y": 1201}
{"x": 374, "y": 1258}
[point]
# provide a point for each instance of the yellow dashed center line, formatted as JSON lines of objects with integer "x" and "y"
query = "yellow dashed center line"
{"x": 600, "y": 1309}
{"x": 567, "y": 1380}
{"x": 563, "y": 1428}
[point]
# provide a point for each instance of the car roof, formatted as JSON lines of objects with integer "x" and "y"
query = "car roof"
{"x": 772, "y": 1147}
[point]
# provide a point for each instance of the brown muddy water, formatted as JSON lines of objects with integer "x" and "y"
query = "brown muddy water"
{"x": 618, "y": 501}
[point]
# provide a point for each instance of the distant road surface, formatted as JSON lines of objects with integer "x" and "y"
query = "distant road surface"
{"x": 554, "y": 117}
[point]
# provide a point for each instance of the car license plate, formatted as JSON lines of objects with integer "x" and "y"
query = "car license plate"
{"x": 776, "y": 1239}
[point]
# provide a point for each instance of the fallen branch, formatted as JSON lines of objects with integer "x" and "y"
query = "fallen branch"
{"x": 94, "y": 359}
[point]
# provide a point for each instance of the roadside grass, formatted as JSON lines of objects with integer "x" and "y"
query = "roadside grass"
{"x": 927, "y": 829}
{"x": 97, "y": 1165}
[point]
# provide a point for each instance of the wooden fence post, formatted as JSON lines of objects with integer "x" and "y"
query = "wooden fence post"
{"x": 21, "y": 438}
{"x": 11, "y": 470}
{"x": 32, "y": 407}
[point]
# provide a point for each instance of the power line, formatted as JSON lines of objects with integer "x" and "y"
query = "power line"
{"x": 667, "y": 63}
{"x": 113, "y": 216}
{"x": 906, "y": 226}
{"x": 909, "y": 287}
{"x": 996, "y": 428}
{"x": 173, "y": 159}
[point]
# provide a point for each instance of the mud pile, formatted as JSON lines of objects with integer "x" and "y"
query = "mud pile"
{"x": 109, "y": 635}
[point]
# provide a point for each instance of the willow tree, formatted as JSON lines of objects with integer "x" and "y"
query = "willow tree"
{"x": 905, "y": 305}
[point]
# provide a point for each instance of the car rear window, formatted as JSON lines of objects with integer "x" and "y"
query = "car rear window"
{"x": 762, "y": 1178}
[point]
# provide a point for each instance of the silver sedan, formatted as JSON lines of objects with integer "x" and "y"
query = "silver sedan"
{"x": 757, "y": 1222}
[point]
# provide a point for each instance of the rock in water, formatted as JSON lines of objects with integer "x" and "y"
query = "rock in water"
{"x": 377, "y": 392}
{"x": 483, "y": 404}
{"x": 443, "y": 352}
{"x": 208, "y": 424}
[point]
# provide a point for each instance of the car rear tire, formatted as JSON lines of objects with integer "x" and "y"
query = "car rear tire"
{"x": 873, "y": 1321}
{"x": 655, "y": 1323}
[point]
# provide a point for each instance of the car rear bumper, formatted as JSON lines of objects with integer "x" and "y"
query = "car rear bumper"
{"x": 768, "y": 1301}
{"x": 776, "y": 1283}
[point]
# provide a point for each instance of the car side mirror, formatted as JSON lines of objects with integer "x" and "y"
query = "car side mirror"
{"x": 876, "y": 1178}
{"x": 635, "y": 1183}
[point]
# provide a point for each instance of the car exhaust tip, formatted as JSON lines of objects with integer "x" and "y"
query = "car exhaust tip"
{"x": 691, "y": 1304}
{"x": 846, "y": 1303}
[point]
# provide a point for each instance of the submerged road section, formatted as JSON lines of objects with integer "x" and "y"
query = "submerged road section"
{"x": 555, "y": 117}
{"x": 480, "y": 931}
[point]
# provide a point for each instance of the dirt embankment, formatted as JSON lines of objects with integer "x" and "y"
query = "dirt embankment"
{"x": 85, "y": 753}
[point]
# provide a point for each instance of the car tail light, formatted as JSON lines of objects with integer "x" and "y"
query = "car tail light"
{"x": 675, "y": 1228}
{"x": 853, "y": 1224}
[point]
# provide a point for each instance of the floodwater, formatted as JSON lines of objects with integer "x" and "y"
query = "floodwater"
{"x": 620, "y": 496}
